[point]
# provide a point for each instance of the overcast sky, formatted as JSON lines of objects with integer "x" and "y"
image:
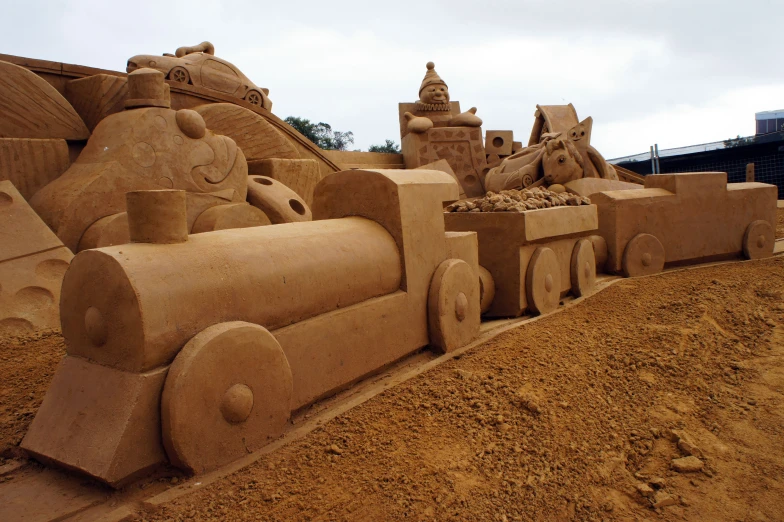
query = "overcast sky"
{"x": 649, "y": 71}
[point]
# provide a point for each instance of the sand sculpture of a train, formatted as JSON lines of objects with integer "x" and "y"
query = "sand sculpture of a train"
{"x": 197, "y": 351}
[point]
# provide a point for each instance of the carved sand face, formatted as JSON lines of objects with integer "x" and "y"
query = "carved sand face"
{"x": 560, "y": 165}
{"x": 577, "y": 133}
{"x": 581, "y": 133}
{"x": 170, "y": 149}
{"x": 435, "y": 93}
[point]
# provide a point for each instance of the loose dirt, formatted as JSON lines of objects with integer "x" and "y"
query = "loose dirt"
{"x": 582, "y": 415}
{"x": 27, "y": 366}
{"x": 780, "y": 222}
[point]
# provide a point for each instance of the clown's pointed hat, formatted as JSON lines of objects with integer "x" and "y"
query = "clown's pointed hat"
{"x": 431, "y": 77}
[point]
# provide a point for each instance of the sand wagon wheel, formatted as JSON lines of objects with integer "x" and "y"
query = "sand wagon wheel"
{"x": 486, "y": 289}
{"x": 227, "y": 393}
{"x": 583, "y": 268}
{"x": 644, "y": 255}
{"x": 758, "y": 240}
{"x": 543, "y": 281}
{"x": 453, "y": 305}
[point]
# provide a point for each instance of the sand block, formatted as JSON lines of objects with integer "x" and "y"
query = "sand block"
{"x": 464, "y": 246}
{"x": 30, "y": 291}
{"x": 443, "y": 166}
{"x": 499, "y": 142}
{"x": 32, "y": 163}
{"x": 232, "y": 215}
{"x": 114, "y": 416}
{"x": 280, "y": 203}
{"x": 196, "y": 202}
{"x": 570, "y": 220}
{"x": 96, "y": 97}
{"x": 107, "y": 231}
{"x": 695, "y": 217}
{"x": 22, "y": 231}
{"x": 461, "y": 147}
{"x": 587, "y": 186}
{"x": 300, "y": 175}
{"x": 32, "y": 264}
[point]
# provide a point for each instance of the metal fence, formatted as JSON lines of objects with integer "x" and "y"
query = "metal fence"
{"x": 767, "y": 157}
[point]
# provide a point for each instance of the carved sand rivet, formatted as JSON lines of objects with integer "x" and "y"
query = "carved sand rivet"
{"x": 237, "y": 403}
{"x": 95, "y": 326}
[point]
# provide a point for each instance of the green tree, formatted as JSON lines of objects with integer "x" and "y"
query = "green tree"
{"x": 390, "y": 147}
{"x": 322, "y": 134}
{"x": 739, "y": 142}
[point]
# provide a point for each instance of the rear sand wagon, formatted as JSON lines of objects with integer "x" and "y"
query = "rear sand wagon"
{"x": 197, "y": 351}
{"x": 685, "y": 218}
{"x": 534, "y": 257}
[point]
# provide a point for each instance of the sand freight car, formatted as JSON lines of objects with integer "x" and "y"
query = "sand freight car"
{"x": 685, "y": 218}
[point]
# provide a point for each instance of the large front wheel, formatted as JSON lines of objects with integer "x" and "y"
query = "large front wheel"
{"x": 228, "y": 392}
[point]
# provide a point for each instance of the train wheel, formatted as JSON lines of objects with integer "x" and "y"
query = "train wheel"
{"x": 228, "y": 392}
{"x": 583, "y": 268}
{"x": 644, "y": 255}
{"x": 453, "y": 306}
{"x": 486, "y": 289}
{"x": 543, "y": 281}
{"x": 759, "y": 240}
{"x": 179, "y": 75}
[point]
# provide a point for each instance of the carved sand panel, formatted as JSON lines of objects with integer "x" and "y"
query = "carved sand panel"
{"x": 32, "y": 264}
{"x": 32, "y": 163}
{"x": 257, "y": 138}
{"x": 31, "y": 108}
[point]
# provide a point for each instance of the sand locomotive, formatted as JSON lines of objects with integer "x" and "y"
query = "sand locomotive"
{"x": 196, "y": 350}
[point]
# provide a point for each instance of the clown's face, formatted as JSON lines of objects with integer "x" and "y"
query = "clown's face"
{"x": 435, "y": 93}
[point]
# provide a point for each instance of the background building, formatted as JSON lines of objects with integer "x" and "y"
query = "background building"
{"x": 769, "y": 121}
{"x": 765, "y": 150}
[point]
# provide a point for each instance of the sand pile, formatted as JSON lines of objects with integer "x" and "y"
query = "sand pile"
{"x": 662, "y": 394}
{"x": 27, "y": 365}
{"x": 518, "y": 201}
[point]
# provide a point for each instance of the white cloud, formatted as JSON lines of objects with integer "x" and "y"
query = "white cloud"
{"x": 715, "y": 119}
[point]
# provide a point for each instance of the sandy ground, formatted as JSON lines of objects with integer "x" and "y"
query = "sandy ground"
{"x": 577, "y": 416}
{"x": 780, "y": 222}
{"x": 27, "y": 366}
